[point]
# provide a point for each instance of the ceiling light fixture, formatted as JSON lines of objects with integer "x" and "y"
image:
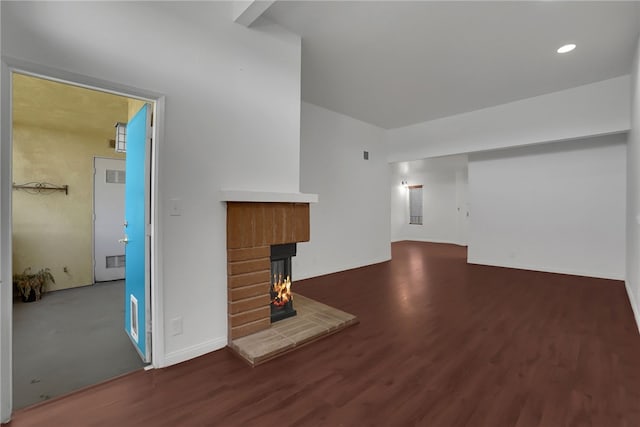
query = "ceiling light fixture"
{"x": 566, "y": 48}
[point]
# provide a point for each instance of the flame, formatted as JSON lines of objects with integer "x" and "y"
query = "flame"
{"x": 281, "y": 290}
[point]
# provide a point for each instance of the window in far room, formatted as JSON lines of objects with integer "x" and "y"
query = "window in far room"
{"x": 415, "y": 204}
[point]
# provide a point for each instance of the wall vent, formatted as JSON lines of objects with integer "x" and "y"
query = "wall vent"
{"x": 115, "y": 261}
{"x": 115, "y": 176}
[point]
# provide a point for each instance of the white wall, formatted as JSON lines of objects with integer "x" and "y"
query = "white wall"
{"x": 350, "y": 223}
{"x": 444, "y": 181}
{"x": 595, "y": 109}
{"x": 554, "y": 207}
{"x": 633, "y": 193}
{"x": 232, "y": 122}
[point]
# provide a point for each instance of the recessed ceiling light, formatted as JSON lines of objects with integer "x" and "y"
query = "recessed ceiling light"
{"x": 566, "y": 48}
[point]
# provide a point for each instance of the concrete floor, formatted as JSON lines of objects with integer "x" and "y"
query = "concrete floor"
{"x": 68, "y": 340}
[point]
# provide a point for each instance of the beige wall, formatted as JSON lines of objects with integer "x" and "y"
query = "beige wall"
{"x": 57, "y": 131}
{"x": 134, "y": 105}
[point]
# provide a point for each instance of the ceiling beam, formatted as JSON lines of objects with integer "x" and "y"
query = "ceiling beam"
{"x": 245, "y": 12}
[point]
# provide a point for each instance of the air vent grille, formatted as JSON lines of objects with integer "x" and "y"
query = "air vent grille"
{"x": 115, "y": 176}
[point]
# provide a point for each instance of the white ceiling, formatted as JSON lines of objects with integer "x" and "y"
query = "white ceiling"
{"x": 397, "y": 63}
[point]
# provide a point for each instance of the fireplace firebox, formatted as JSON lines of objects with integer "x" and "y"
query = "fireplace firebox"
{"x": 281, "y": 297}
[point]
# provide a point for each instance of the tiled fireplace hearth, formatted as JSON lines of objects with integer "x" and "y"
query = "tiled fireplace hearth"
{"x": 252, "y": 229}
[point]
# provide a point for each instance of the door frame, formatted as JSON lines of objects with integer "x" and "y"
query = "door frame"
{"x": 9, "y": 66}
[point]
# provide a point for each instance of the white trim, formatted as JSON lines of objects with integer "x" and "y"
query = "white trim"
{"x": 157, "y": 288}
{"x": 634, "y": 304}
{"x": 596, "y": 274}
{"x": 266, "y": 196}
{"x": 9, "y": 66}
{"x": 62, "y": 76}
{"x": 6, "y": 286}
{"x": 194, "y": 351}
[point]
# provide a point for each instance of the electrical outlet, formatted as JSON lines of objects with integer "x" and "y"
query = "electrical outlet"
{"x": 176, "y": 326}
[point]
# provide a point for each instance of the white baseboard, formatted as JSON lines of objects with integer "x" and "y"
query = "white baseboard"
{"x": 634, "y": 304}
{"x": 596, "y": 274}
{"x": 412, "y": 239}
{"x": 339, "y": 268}
{"x": 194, "y": 351}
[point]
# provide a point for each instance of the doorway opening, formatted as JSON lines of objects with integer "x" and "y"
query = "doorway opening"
{"x": 429, "y": 200}
{"x": 80, "y": 332}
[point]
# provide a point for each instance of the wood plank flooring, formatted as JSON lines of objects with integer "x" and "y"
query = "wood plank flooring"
{"x": 440, "y": 343}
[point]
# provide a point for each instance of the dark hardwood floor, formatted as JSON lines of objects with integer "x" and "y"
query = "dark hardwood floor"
{"x": 440, "y": 343}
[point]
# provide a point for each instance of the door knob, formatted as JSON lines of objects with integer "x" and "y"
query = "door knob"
{"x": 125, "y": 240}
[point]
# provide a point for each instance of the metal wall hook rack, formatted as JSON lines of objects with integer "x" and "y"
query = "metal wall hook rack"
{"x": 41, "y": 187}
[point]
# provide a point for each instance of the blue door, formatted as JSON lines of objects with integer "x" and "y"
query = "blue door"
{"x": 137, "y": 184}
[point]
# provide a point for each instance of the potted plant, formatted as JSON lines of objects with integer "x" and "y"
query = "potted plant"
{"x": 31, "y": 286}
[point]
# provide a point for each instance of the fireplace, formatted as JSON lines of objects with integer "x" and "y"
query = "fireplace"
{"x": 281, "y": 297}
{"x": 261, "y": 239}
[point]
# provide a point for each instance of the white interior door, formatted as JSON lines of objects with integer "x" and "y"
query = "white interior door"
{"x": 109, "y": 184}
{"x": 462, "y": 202}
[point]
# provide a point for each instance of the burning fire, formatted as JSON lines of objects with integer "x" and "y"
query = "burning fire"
{"x": 281, "y": 290}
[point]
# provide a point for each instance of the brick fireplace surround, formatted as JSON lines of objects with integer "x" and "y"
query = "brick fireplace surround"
{"x": 252, "y": 227}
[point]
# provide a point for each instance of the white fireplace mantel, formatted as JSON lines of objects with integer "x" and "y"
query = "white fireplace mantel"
{"x": 266, "y": 196}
